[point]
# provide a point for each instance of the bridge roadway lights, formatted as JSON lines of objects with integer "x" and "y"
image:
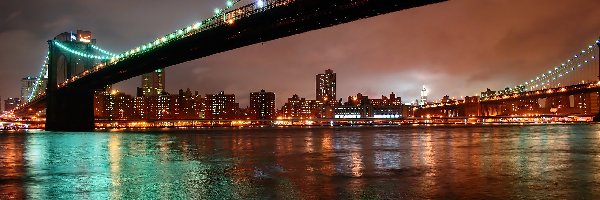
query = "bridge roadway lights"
{"x": 70, "y": 111}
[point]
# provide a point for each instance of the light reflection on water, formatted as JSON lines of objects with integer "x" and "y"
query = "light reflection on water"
{"x": 558, "y": 162}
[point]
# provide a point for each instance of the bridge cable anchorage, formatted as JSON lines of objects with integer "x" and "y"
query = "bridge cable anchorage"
{"x": 574, "y": 65}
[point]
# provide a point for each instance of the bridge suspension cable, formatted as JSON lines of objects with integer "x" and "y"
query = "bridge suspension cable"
{"x": 102, "y": 50}
{"x": 575, "y": 67}
{"x": 38, "y": 82}
{"x": 79, "y": 53}
{"x": 221, "y": 15}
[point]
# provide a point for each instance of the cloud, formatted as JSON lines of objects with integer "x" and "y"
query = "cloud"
{"x": 457, "y": 48}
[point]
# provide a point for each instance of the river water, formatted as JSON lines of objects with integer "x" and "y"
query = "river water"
{"x": 472, "y": 162}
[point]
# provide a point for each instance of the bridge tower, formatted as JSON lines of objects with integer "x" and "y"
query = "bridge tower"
{"x": 69, "y": 109}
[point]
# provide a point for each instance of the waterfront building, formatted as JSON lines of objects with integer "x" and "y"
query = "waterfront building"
{"x": 104, "y": 104}
{"x": 159, "y": 106}
{"x": 140, "y": 108}
{"x": 349, "y": 112}
{"x": 262, "y": 105}
{"x": 111, "y": 104}
{"x": 300, "y": 108}
{"x": 184, "y": 105}
{"x": 326, "y": 87}
{"x": 388, "y": 107}
{"x": 221, "y": 106}
{"x": 123, "y": 106}
{"x": 360, "y": 106}
{"x": 293, "y": 107}
{"x": 392, "y": 100}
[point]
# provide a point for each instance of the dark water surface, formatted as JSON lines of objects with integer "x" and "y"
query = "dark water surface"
{"x": 489, "y": 162}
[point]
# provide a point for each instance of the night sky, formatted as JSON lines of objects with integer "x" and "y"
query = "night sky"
{"x": 459, "y": 48}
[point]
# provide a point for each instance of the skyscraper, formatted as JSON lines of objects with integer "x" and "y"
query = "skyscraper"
{"x": 28, "y": 84}
{"x": 423, "y": 99}
{"x": 326, "y": 87}
{"x": 262, "y": 105}
{"x": 153, "y": 83}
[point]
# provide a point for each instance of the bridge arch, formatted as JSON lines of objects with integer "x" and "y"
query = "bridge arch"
{"x": 61, "y": 69}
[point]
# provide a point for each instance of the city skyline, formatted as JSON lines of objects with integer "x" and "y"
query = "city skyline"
{"x": 427, "y": 42}
{"x": 308, "y": 99}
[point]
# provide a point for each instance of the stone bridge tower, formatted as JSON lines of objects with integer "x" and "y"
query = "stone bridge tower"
{"x": 69, "y": 109}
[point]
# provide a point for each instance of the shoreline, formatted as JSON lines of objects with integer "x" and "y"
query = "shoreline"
{"x": 291, "y": 127}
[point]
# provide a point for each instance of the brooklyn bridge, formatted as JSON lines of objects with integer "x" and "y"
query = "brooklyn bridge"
{"x": 76, "y": 66}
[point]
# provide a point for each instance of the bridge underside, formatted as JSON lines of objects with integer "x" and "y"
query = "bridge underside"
{"x": 297, "y": 17}
{"x": 71, "y": 108}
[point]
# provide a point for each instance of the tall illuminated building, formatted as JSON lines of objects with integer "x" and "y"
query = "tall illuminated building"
{"x": 262, "y": 105}
{"x": 423, "y": 99}
{"x": 28, "y": 84}
{"x": 326, "y": 87}
{"x": 153, "y": 83}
